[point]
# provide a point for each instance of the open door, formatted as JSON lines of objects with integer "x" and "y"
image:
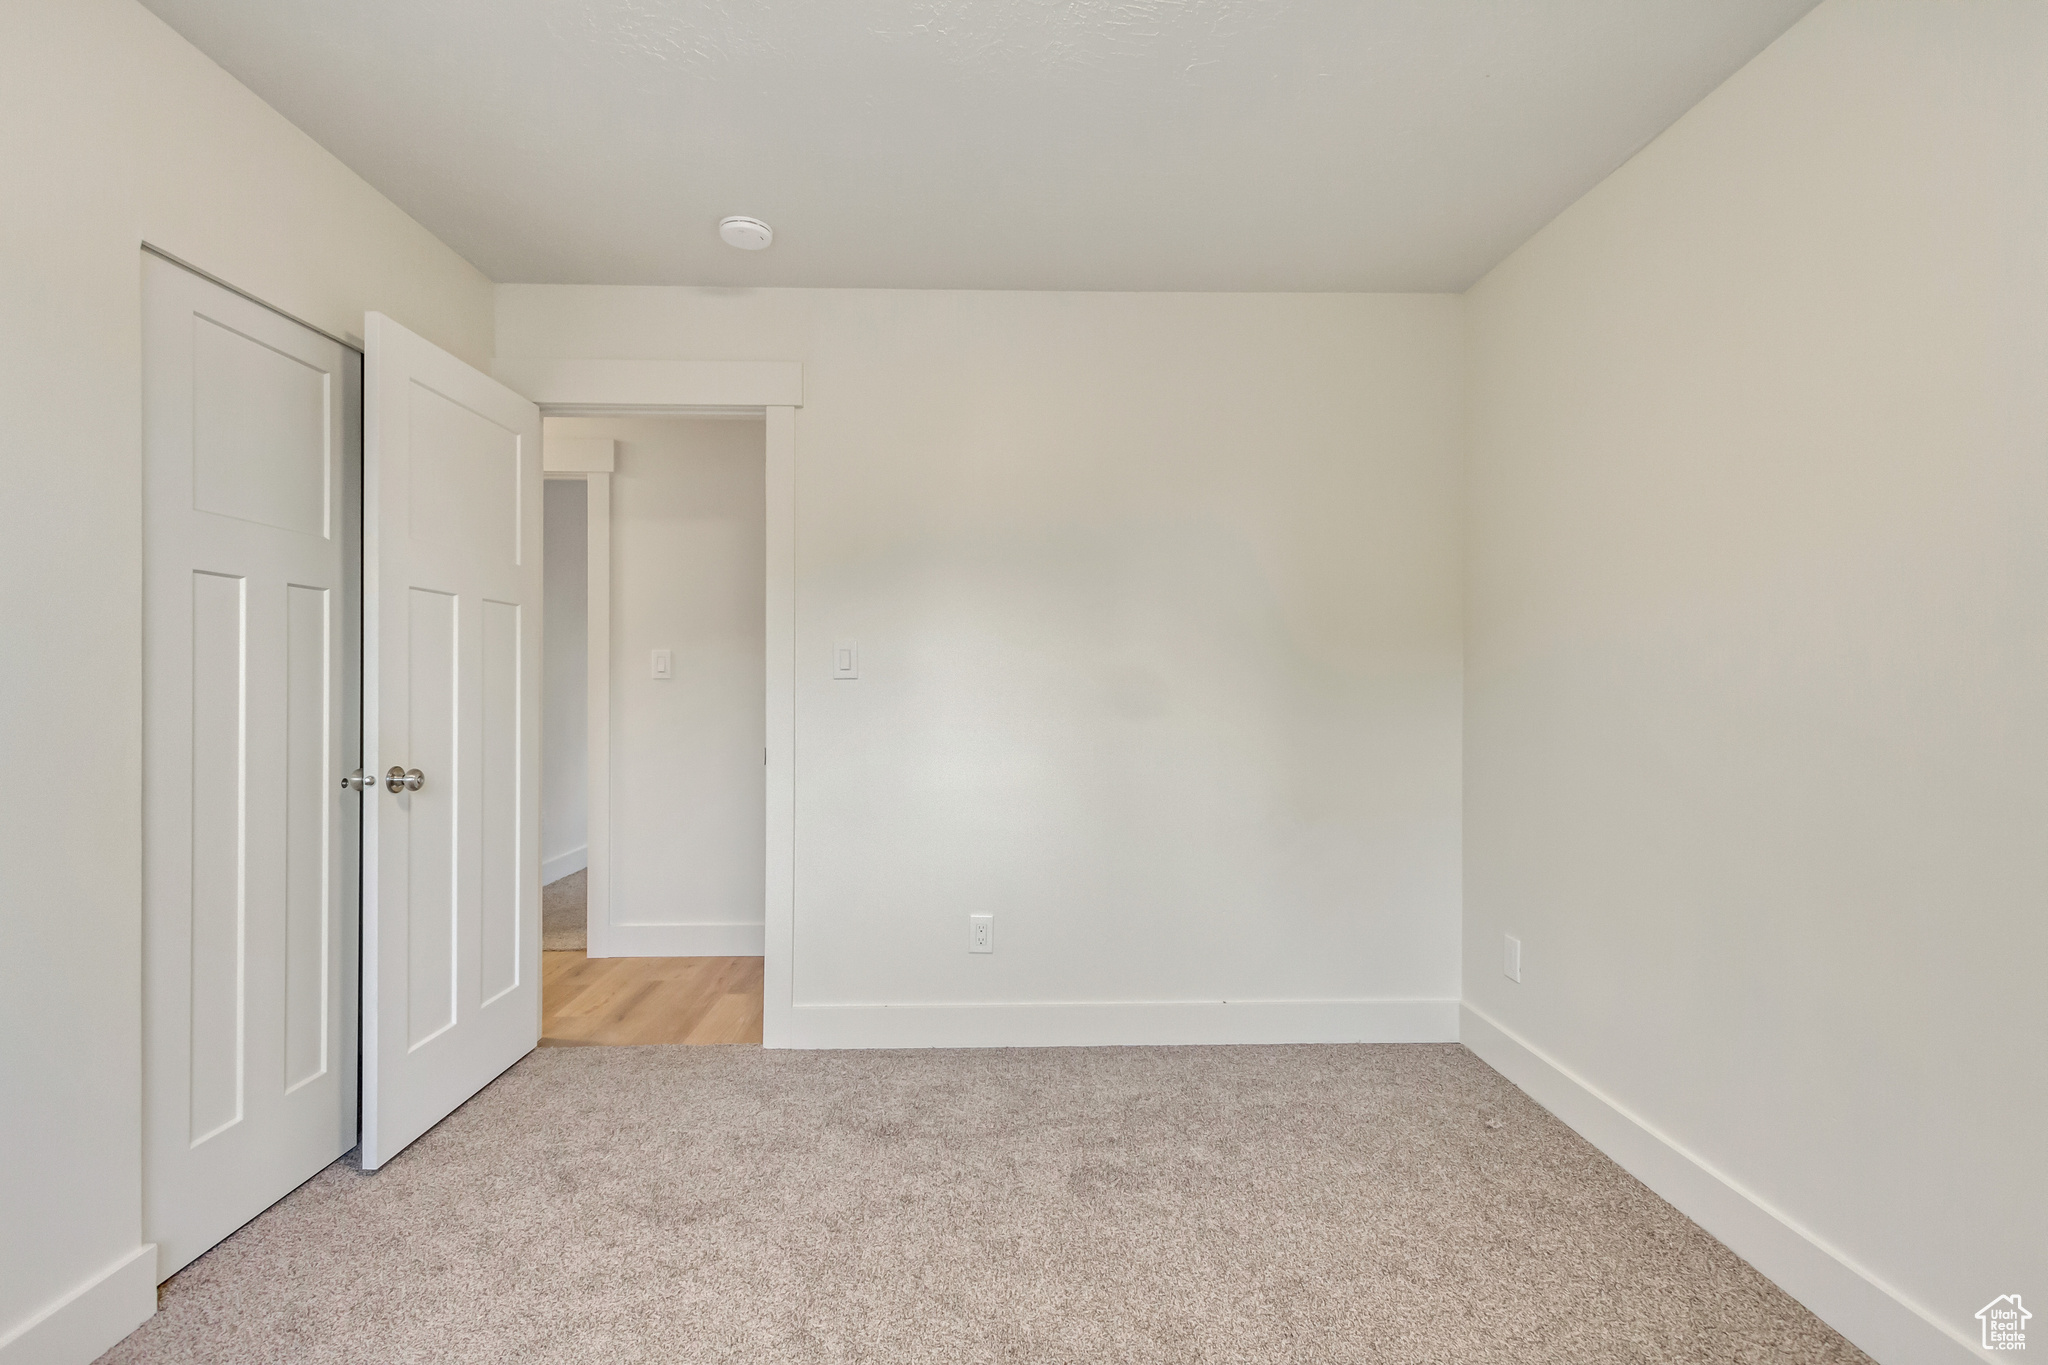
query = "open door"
{"x": 451, "y": 727}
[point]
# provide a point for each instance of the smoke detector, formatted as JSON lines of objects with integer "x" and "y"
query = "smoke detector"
{"x": 748, "y": 234}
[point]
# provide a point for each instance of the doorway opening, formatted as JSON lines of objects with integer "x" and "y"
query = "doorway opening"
{"x": 653, "y": 730}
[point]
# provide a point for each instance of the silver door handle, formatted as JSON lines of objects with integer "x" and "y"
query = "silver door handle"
{"x": 400, "y": 780}
{"x": 356, "y": 782}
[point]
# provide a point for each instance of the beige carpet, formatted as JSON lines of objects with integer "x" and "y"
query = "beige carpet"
{"x": 1253, "y": 1204}
{"x": 564, "y": 918}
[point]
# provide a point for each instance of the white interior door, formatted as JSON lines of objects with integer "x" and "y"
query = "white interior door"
{"x": 251, "y": 632}
{"x": 451, "y": 893}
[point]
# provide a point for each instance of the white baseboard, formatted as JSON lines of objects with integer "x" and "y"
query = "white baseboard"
{"x": 562, "y": 864}
{"x": 1125, "y": 1023}
{"x": 677, "y": 940}
{"x": 1885, "y": 1324}
{"x": 82, "y": 1325}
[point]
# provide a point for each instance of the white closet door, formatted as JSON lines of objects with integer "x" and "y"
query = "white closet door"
{"x": 451, "y": 896}
{"x": 251, "y": 637}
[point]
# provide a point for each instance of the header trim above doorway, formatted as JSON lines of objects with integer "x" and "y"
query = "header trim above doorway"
{"x": 621, "y": 387}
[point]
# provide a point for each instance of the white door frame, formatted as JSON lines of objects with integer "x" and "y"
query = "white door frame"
{"x": 694, "y": 388}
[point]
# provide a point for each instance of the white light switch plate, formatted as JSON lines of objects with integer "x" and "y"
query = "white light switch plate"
{"x": 663, "y": 664}
{"x": 1511, "y": 961}
{"x": 846, "y": 661}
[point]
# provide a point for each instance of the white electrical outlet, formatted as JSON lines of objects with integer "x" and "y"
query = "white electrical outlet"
{"x": 663, "y": 664}
{"x": 981, "y": 933}
{"x": 1511, "y": 961}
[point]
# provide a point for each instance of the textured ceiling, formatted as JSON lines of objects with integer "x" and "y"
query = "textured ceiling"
{"x": 999, "y": 144}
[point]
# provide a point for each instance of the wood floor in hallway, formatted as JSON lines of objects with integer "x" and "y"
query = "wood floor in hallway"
{"x": 623, "y": 1001}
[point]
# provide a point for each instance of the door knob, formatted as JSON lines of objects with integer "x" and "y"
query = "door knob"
{"x": 400, "y": 780}
{"x": 356, "y": 782}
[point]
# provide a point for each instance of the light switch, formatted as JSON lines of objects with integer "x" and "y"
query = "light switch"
{"x": 846, "y": 661}
{"x": 664, "y": 664}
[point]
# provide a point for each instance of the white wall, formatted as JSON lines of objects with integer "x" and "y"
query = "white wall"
{"x": 1157, "y": 601}
{"x": 1757, "y": 717}
{"x": 688, "y": 570}
{"x": 118, "y": 132}
{"x": 564, "y": 677}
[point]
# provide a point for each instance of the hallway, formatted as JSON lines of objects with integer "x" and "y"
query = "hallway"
{"x": 624, "y": 1001}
